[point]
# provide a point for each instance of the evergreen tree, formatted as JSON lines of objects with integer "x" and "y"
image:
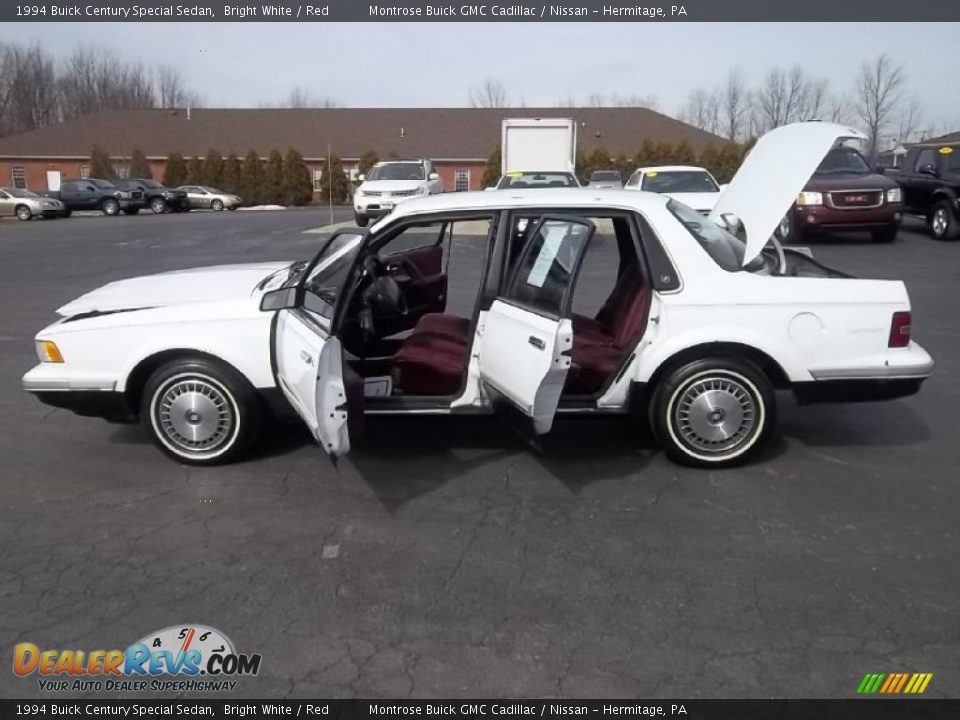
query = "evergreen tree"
{"x": 212, "y": 173}
{"x": 273, "y": 180}
{"x": 624, "y": 165}
{"x": 101, "y": 166}
{"x": 646, "y": 155}
{"x": 491, "y": 173}
{"x": 175, "y": 170}
{"x": 710, "y": 159}
{"x": 251, "y": 178}
{"x": 367, "y": 161}
{"x": 231, "y": 174}
{"x": 139, "y": 167}
{"x": 599, "y": 159}
{"x": 334, "y": 186}
{"x": 194, "y": 171}
{"x": 683, "y": 154}
{"x": 297, "y": 185}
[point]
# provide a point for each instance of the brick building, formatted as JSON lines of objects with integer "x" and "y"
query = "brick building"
{"x": 458, "y": 140}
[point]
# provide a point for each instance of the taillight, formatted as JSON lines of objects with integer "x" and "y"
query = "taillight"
{"x": 899, "y": 330}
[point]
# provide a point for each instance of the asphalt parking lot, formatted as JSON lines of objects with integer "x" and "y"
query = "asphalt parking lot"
{"x": 451, "y": 559}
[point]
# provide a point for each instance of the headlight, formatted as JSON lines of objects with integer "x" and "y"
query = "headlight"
{"x": 894, "y": 195}
{"x": 810, "y": 198}
{"x": 48, "y": 351}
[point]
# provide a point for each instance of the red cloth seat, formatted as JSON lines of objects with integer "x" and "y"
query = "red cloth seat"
{"x": 452, "y": 327}
{"x": 429, "y": 364}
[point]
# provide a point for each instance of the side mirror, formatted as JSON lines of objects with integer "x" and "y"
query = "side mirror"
{"x": 927, "y": 169}
{"x": 433, "y": 176}
{"x": 282, "y": 299}
{"x": 361, "y": 177}
{"x": 879, "y": 169}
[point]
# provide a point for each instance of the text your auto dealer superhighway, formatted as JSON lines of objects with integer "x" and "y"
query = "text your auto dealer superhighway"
{"x": 133, "y": 11}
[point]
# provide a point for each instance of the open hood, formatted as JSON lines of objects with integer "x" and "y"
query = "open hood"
{"x": 209, "y": 284}
{"x": 773, "y": 174}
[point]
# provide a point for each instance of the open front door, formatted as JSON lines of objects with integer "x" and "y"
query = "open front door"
{"x": 311, "y": 375}
{"x": 527, "y": 335}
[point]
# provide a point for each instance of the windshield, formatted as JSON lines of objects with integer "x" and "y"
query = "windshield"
{"x": 153, "y": 184}
{"x": 519, "y": 180}
{"x": 602, "y": 175}
{"x": 843, "y": 160}
{"x": 332, "y": 266}
{"x": 679, "y": 181}
{"x": 726, "y": 250}
{"x": 103, "y": 184}
{"x": 214, "y": 191}
{"x": 17, "y": 192}
{"x": 396, "y": 171}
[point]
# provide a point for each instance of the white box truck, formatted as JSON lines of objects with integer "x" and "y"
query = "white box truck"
{"x": 538, "y": 152}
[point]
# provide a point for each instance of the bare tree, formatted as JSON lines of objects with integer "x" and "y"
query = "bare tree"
{"x": 172, "y": 91}
{"x": 879, "y": 89}
{"x": 95, "y": 79}
{"x": 909, "y": 120}
{"x": 702, "y": 110}
{"x": 490, "y": 94}
{"x": 27, "y": 89}
{"x": 733, "y": 102}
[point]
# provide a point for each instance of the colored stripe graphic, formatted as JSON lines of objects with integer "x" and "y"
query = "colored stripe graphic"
{"x": 894, "y": 683}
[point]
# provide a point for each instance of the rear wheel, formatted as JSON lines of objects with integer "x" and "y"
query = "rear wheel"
{"x": 66, "y": 213}
{"x": 887, "y": 235}
{"x": 158, "y": 205}
{"x": 943, "y": 221}
{"x": 200, "y": 411}
{"x": 23, "y": 213}
{"x": 110, "y": 207}
{"x": 216, "y": 205}
{"x": 361, "y": 220}
{"x": 712, "y": 412}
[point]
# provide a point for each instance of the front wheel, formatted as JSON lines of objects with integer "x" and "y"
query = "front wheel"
{"x": 158, "y": 206}
{"x": 23, "y": 213}
{"x": 713, "y": 412}
{"x": 216, "y": 205}
{"x": 200, "y": 411}
{"x": 361, "y": 220}
{"x": 943, "y": 221}
{"x": 110, "y": 207}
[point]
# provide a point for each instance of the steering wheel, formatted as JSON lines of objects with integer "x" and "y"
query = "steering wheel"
{"x": 383, "y": 293}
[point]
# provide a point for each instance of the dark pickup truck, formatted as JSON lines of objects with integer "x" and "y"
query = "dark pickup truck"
{"x": 930, "y": 179}
{"x": 95, "y": 194}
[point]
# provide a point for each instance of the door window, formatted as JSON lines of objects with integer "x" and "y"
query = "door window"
{"x": 322, "y": 285}
{"x": 544, "y": 276}
{"x": 927, "y": 156}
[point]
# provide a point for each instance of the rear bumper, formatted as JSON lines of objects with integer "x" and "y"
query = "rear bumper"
{"x": 901, "y": 373}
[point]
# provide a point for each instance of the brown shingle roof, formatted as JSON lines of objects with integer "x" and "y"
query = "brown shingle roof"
{"x": 953, "y": 137}
{"x": 436, "y": 133}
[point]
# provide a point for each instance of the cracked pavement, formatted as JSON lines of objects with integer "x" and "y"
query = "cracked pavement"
{"x": 448, "y": 558}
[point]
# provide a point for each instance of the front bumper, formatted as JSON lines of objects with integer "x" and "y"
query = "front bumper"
{"x": 91, "y": 396}
{"x": 377, "y": 206}
{"x": 813, "y": 218}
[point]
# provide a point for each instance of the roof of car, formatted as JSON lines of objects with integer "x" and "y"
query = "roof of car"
{"x": 669, "y": 168}
{"x": 511, "y": 198}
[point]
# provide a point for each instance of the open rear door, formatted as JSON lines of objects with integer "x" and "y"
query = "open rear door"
{"x": 526, "y": 338}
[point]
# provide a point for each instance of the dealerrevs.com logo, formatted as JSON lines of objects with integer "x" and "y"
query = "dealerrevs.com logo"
{"x": 180, "y": 658}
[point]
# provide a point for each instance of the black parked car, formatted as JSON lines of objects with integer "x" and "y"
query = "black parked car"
{"x": 96, "y": 194}
{"x": 930, "y": 179}
{"x": 157, "y": 197}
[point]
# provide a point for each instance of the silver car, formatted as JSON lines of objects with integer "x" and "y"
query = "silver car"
{"x": 26, "y": 205}
{"x": 608, "y": 179}
{"x": 203, "y": 197}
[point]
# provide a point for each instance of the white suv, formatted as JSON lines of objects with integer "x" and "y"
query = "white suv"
{"x": 390, "y": 183}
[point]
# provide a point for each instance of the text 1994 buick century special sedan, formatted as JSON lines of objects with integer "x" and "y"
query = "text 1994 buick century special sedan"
{"x": 698, "y": 330}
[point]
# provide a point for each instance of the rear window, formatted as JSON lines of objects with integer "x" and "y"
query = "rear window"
{"x": 726, "y": 250}
{"x": 679, "y": 181}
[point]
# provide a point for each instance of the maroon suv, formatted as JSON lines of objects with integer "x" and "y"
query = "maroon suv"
{"x": 844, "y": 194}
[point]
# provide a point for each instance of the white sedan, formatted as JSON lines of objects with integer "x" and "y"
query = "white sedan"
{"x": 698, "y": 330}
{"x": 693, "y": 186}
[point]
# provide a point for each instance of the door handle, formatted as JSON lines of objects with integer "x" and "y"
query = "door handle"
{"x": 536, "y": 342}
{"x": 306, "y": 357}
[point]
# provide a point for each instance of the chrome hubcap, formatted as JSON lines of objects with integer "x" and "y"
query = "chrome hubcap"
{"x": 939, "y": 222}
{"x": 195, "y": 415}
{"x": 714, "y": 414}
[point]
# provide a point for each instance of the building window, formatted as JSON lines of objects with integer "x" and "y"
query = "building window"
{"x": 461, "y": 180}
{"x": 317, "y": 176}
{"x": 121, "y": 171}
{"x": 85, "y": 172}
{"x": 18, "y": 176}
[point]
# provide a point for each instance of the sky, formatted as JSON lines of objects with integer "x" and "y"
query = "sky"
{"x": 435, "y": 64}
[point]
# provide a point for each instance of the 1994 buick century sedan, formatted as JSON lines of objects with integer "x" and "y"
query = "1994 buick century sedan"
{"x": 699, "y": 327}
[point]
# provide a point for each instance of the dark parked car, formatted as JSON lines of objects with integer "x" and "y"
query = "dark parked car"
{"x": 930, "y": 178}
{"x": 845, "y": 194}
{"x": 96, "y": 194}
{"x": 157, "y": 197}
